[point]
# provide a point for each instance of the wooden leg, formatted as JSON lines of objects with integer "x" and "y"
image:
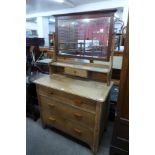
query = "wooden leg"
{"x": 94, "y": 150}
{"x": 44, "y": 126}
{"x": 94, "y": 153}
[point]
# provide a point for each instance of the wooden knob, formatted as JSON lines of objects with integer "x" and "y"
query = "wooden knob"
{"x": 51, "y": 105}
{"x": 77, "y": 131}
{"x": 78, "y": 102}
{"x": 52, "y": 119}
{"x": 78, "y": 115}
{"x": 51, "y": 93}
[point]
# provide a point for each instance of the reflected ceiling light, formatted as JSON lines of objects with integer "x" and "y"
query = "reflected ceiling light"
{"x": 72, "y": 23}
{"x": 60, "y": 1}
{"x": 86, "y": 20}
{"x": 116, "y": 15}
{"x": 101, "y": 30}
{"x": 52, "y": 20}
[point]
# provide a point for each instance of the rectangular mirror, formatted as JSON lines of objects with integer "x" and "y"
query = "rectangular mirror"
{"x": 85, "y": 35}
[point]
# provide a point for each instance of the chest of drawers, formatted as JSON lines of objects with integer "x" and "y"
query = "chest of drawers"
{"x": 78, "y": 114}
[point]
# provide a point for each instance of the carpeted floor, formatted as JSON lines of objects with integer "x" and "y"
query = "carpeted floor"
{"x": 41, "y": 141}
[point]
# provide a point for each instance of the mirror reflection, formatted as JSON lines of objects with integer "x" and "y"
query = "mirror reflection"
{"x": 84, "y": 37}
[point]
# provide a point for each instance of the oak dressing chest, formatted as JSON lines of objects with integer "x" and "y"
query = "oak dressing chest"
{"x": 73, "y": 98}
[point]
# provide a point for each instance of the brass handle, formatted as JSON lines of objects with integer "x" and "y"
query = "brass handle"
{"x": 51, "y": 105}
{"x": 77, "y": 131}
{"x": 52, "y": 119}
{"x": 78, "y": 115}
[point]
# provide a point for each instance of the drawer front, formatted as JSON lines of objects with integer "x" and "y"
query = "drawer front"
{"x": 52, "y": 106}
{"x": 69, "y": 127}
{"x": 79, "y": 102}
{"x": 75, "y": 72}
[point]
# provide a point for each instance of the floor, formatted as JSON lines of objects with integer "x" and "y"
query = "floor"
{"x": 41, "y": 141}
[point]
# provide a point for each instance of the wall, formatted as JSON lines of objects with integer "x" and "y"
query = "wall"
{"x": 31, "y": 25}
{"x": 51, "y": 27}
{"x": 89, "y": 7}
{"x": 43, "y": 28}
{"x": 117, "y": 62}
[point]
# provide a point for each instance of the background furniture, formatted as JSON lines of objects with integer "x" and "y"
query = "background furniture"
{"x": 113, "y": 101}
{"x": 33, "y": 54}
{"x": 33, "y": 71}
{"x": 48, "y": 52}
{"x": 44, "y": 65}
{"x": 120, "y": 140}
{"x": 32, "y": 107}
{"x": 51, "y": 40}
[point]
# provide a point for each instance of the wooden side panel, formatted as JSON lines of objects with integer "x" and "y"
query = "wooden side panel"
{"x": 97, "y": 129}
{"x": 40, "y": 107}
{"x": 101, "y": 119}
{"x": 98, "y": 76}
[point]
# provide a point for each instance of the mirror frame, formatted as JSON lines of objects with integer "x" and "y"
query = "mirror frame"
{"x": 90, "y": 14}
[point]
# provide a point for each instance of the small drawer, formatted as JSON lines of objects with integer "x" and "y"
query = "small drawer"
{"x": 69, "y": 127}
{"x": 73, "y": 100}
{"x": 53, "y": 106}
{"x": 75, "y": 72}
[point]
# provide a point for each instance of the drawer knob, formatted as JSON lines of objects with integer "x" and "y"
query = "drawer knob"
{"x": 51, "y": 93}
{"x": 78, "y": 115}
{"x": 77, "y": 131}
{"x": 51, "y": 105}
{"x": 52, "y": 119}
{"x": 78, "y": 102}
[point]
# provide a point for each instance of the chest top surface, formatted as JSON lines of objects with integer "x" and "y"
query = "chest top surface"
{"x": 97, "y": 91}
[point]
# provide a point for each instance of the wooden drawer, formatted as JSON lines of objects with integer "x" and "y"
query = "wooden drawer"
{"x": 79, "y": 102}
{"x": 75, "y": 72}
{"x": 52, "y": 106}
{"x": 69, "y": 127}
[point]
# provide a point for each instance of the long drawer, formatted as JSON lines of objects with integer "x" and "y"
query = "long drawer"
{"x": 52, "y": 106}
{"x": 69, "y": 127}
{"x": 79, "y": 102}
